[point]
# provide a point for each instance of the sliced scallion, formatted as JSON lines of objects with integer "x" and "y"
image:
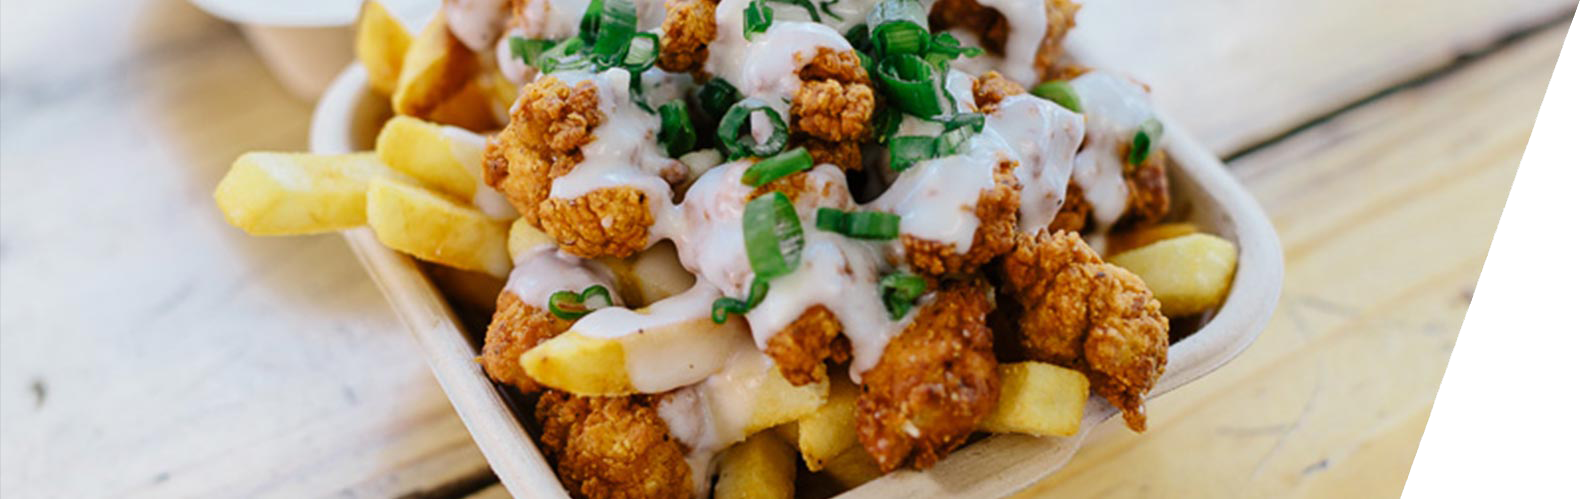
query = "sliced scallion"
{"x": 825, "y": 7}
{"x": 616, "y": 26}
{"x": 947, "y": 45}
{"x": 1146, "y": 138}
{"x": 570, "y": 305}
{"x": 779, "y": 166}
{"x": 716, "y": 97}
{"x": 906, "y": 151}
{"x": 1060, "y": 92}
{"x": 590, "y": 19}
{"x": 900, "y": 37}
{"x": 900, "y": 292}
{"x": 675, "y": 131}
{"x": 723, "y": 307}
{"x": 875, "y": 225}
{"x": 740, "y": 145}
{"x": 529, "y": 50}
{"x": 758, "y": 17}
{"x": 910, "y": 83}
{"x": 833, "y": 220}
{"x": 811, "y": 9}
{"x": 772, "y": 233}
{"x": 641, "y": 54}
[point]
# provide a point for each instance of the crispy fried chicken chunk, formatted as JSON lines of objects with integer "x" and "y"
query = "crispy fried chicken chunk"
{"x": 688, "y": 27}
{"x": 934, "y": 382}
{"x": 1074, "y": 310}
{"x": 612, "y": 447}
{"x": 832, "y": 110}
{"x": 997, "y": 209}
{"x": 516, "y": 328}
{"x": 548, "y": 127}
{"x": 991, "y": 88}
{"x": 993, "y": 29}
{"x": 801, "y": 348}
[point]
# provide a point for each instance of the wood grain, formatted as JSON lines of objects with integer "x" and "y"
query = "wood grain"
{"x": 1386, "y": 214}
{"x": 1237, "y": 72}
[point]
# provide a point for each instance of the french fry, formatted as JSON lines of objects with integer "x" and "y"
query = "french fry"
{"x": 650, "y": 276}
{"x": 272, "y": 194}
{"x": 524, "y": 237}
{"x": 775, "y": 401}
{"x": 432, "y": 227}
{"x": 1188, "y": 274}
{"x": 1126, "y": 241}
{"x": 831, "y": 430}
{"x": 471, "y": 108}
{"x": 620, "y": 351}
{"x": 852, "y": 468}
{"x": 1038, "y": 399}
{"x": 437, "y": 68}
{"x": 381, "y": 46}
{"x": 762, "y": 467}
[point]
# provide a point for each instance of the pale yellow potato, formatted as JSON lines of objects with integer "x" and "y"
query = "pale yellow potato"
{"x": 762, "y": 467}
{"x": 600, "y": 365}
{"x": 524, "y": 238}
{"x": 276, "y": 193}
{"x": 441, "y": 72}
{"x": 381, "y": 46}
{"x": 471, "y": 108}
{"x": 430, "y": 226}
{"x": 1125, "y": 241}
{"x": 852, "y": 468}
{"x": 831, "y": 430}
{"x": 1038, "y": 399}
{"x": 444, "y": 158}
{"x": 776, "y": 401}
{"x": 650, "y": 276}
{"x": 1188, "y": 274}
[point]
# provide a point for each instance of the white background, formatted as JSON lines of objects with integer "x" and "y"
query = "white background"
{"x": 1507, "y": 418}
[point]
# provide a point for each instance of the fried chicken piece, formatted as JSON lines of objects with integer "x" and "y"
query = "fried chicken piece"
{"x": 993, "y": 29}
{"x": 516, "y": 328}
{"x": 689, "y": 26}
{"x": 1075, "y": 311}
{"x": 991, "y": 88}
{"x": 548, "y": 127}
{"x": 935, "y": 381}
{"x": 831, "y": 112}
{"x": 612, "y": 447}
{"x": 1148, "y": 185}
{"x": 801, "y": 348}
{"x": 1075, "y": 211}
{"x": 997, "y": 209}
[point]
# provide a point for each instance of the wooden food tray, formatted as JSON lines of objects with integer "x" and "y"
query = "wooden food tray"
{"x": 347, "y": 119}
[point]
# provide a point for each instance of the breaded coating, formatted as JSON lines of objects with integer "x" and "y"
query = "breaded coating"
{"x": 1075, "y": 211}
{"x": 997, "y": 209}
{"x": 516, "y": 328}
{"x": 548, "y": 127}
{"x": 935, "y": 381}
{"x": 993, "y": 29}
{"x": 801, "y": 348}
{"x": 831, "y": 113}
{"x": 1075, "y": 311}
{"x": 612, "y": 447}
{"x": 689, "y": 25}
{"x": 991, "y": 88}
{"x": 1148, "y": 185}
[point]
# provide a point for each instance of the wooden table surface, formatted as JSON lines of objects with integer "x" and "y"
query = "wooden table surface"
{"x": 148, "y": 349}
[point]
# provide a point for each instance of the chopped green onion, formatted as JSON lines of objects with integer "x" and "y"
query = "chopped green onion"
{"x": 641, "y": 54}
{"x": 590, "y": 19}
{"x": 811, "y": 10}
{"x": 723, "y": 307}
{"x": 772, "y": 232}
{"x": 900, "y": 37}
{"x": 570, "y": 305}
{"x": 860, "y": 38}
{"x": 962, "y": 120}
{"x": 529, "y": 50}
{"x": 1140, "y": 147}
{"x": 758, "y": 16}
{"x": 1060, "y": 92}
{"x": 716, "y": 97}
{"x": 900, "y": 291}
{"x": 779, "y": 166}
{"x": 675, "y": 131}
{"x": 859, "y": 225}
{"x": 910, "y": 83}
{"x": 616, "y": 26}
{"x": 947, "y": 45}
{"x": 886, "y": 121}
{"x": 742, "y": 145}
{"x": 906, "y": 151}
{"x": 824, "y": 6}
{"x": 565, "y": 55}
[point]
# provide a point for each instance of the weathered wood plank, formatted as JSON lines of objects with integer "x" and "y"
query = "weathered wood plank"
{"x": 1386, "y": 214}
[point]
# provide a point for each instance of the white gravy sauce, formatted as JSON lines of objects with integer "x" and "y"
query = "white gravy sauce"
{"x": 477, "y": 23}
{"x": 545, "y": 270}
{"x": 1045, "y": 137}
{"x": 467, "y": 149}
{"x": 624, "y": 151}
{"x": 671, "y": 343}
{"x": 515, "y": 70}
{"x": 1115, "y": 108}
{"x": 766, "y": 66}
{"x": 1028, "y": 24}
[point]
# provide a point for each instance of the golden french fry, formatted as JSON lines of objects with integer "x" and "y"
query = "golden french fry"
{"x": 437, "y": 67}
{"x": 524, "y": 237}
{"x": 852, "y": 468}
{"x": 1126, "y": 241}
{"x": 381, "y": 46}
{"x": 762, "y": 467}
{"x": 831, "y": 430}
{"x": 433, "y": 227}
{"x": 272, "y": 193}
{"x": 650, "y": 276}
{"x": 471, "y": 108}
{"x": 1188, "y": 274}
{"x": 445, "y": 158}
{"x": 1038, "y": 399}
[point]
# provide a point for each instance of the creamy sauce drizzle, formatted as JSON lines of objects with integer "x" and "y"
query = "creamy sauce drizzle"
{"x": 477, "y": 23}
{"x": 672, "y": 343}
{"x": 766, "y": 66}
{"x": 515, "y": 70}
{"x": 624, "y": 151}
{"x": 1028, "y": 24}
{"x": 1115, "y": 108}
{"x": 545, "y": 270}
{"x": 467, "y": 149}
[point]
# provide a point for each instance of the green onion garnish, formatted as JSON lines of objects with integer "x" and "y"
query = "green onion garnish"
{"x": 811, "y": 10}
{"x": 675, "y": 131}
{"x": 909, "y": 82}
{"x": 716, "y": 97}
{"x": 1060, "y": 92}
{"x": 758, "y": 17}
{"x": 900, "y": 37}
{"x": 1140, "y": 147}
{"x": 860, "y": 38}
{"x": 974, "y": 121}
{"x": 906, "y": 151}
{"x": 529, "y": 50}
{"x": 570, "y": 305}
{"x": 900, "y": 291}
{"x": 874, "y": 225}
{"x": 772, "y": 232}
{"x": 779, "y": 166}
{"x": 723, "y": 307}
{"x": 564, "y": 55}
{"x": 590, "y": 19}
{"x": 641, "y": 53}
{"x": 947, "y": 45}
{"x": 740, "y": 145}
{"x": 616, "y": 26}
{"x": 824, "y": 6}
